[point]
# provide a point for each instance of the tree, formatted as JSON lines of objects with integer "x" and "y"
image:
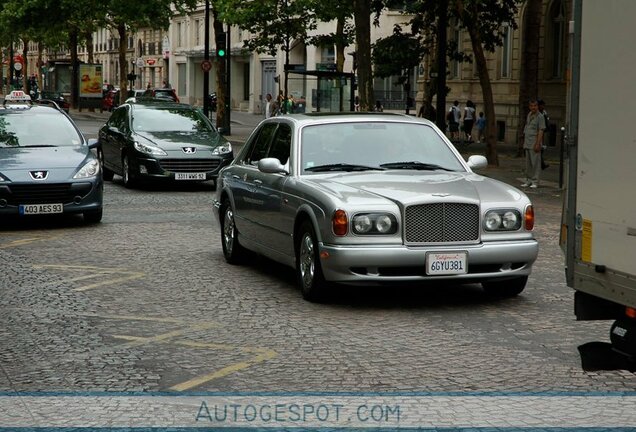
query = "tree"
{"x": 273, "y": 24}
{"x": 398, "y": 54}
{"x": 362, "y": 17}
{"x": 341, "y": 12}
{"x": 529, "y": 70}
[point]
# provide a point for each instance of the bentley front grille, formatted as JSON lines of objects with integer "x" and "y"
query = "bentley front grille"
{"x": 441, "y": 223}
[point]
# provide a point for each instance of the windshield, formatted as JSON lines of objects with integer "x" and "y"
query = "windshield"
{"x": 386, "y": 145}
{"x": 169, "y": 120}
{"x": 37, "y": 129}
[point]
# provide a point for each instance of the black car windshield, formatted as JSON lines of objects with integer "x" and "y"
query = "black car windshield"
{"x": 169, "y": 120}
{"x": 30, "y": 128}
{"x": 386, "y": 145}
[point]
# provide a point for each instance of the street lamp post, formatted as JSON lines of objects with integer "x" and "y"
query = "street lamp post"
{"x": 206, "y": 58}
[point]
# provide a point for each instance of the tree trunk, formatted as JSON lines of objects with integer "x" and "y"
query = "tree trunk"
{"x": 73, "y": 36}
{"x": 529, "y": 72}
{"x": 340, "y": 44}
{"x": 40, "y": 64}
{"x": 123, "y": 63}
{"x": 2, "y": 86}
{"x": 89, "y": 47}
{"x": 220, "y": 73}
{"x": 25, "y": 64}
{"x": 470, "y": 22}
{"x": 362, "y": 17}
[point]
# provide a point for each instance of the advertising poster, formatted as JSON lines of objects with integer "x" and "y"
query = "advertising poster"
{"x": 90, "y": 81}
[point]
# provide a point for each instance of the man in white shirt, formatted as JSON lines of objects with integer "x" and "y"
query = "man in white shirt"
{"x": 268, "y": 105}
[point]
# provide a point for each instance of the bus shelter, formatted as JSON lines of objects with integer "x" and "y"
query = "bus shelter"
{"x": 322, "y": 91}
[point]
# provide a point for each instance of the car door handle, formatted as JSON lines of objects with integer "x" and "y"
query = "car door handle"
{"x": 237, "y": 177}
{"x": 258, "y": 182}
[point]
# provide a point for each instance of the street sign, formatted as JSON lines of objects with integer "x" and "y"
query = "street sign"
{"x": 206, "y": 65}
{"x": 17, "y": 66}
{"x": 151, "y": 62}
{"x": 140, "y": 62}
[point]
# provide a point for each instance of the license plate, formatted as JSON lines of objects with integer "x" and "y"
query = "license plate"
{"x": 446, "y": 263}
{"x": 189, "y": 176}
{"x": 31, "y": 209}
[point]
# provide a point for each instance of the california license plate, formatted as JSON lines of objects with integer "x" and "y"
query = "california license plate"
{"x": 31, "y": 209}
{"x": 189, "y": 176}
{"x": 446, "y": 263}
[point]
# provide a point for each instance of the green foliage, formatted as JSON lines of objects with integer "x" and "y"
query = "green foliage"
{"x": 272, "y": 23}
{"x": 396, "y": 53}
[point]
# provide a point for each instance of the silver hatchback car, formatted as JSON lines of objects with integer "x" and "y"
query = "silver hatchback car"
{"x": 364, "y": 198}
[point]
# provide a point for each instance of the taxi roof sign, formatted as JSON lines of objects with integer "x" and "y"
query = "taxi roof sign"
{"x": 17, "y": 96}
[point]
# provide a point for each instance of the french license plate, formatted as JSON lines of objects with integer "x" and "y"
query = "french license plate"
{"x": 31, "y": 209}
{"x": 446, "y": 263}
{"x": 189, "y": 176}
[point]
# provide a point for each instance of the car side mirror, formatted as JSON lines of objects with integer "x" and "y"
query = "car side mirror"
{"x": 221, "y": 130}
{"x": 93, "y": 143}
{"x": 271, "y": 166}
{"x": 477, "y": 161}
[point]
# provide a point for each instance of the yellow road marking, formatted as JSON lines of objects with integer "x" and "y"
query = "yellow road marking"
{"x": 110, "y": 281}
{"x": 135, "y": 318}
{"x": 27, "y": 240}
{"x": 195, "y": 382}
{"x": 80, "y": 268}
{"x": 75, "y": 279}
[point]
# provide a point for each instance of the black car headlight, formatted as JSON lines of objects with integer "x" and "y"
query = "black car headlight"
{"x": 502, "y": 220}
{"x": 149, "y": 149}
{"x": 374, "y": 224}
{"x": 222, "y": 149}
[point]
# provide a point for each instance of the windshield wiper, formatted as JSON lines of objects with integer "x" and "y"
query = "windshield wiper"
{"x": 414, "y": 165}
{"x": 37, "y": 145}
{"x": 343, "y": 167}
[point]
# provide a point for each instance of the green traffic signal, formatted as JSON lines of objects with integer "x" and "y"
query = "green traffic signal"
{"x": 220, "y": 53}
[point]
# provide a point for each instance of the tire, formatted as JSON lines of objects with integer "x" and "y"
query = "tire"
{"x": 505, "y": 288}
{"x": 308, "y": 269}
{"x": 233, "y": 252}
{"x": 107, "y": 174}
{"x": 93, "y": 217}
{"x": 127, "y": 175}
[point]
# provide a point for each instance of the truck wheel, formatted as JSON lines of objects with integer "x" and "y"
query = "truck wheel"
{"x": 308, "y": 270}
{"x": 233, "y": 252}
{"x": 505, "y": 288}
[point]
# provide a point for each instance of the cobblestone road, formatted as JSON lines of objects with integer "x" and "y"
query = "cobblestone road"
{"x": 144, "y": 301}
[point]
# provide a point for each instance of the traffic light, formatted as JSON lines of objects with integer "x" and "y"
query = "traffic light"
{"x": 221, "y": 45}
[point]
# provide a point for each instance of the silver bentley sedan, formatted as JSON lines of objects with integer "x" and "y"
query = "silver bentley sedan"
{"x": 365, "y": 198}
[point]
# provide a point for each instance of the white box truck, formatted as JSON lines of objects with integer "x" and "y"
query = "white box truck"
{"x": 599, "y": 218}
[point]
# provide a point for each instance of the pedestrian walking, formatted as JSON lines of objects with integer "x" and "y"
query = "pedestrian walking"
{"x": 268, "y": 105}
{"x": 544, "y": 113}
{"x": 532, "y": 142}
{"x": 481, "y": 126}
{"x": 469, "y": 120}
{"x": 453, "y": 117}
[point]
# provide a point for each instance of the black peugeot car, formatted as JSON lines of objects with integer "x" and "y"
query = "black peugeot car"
{"x": 155, "y": 140}
{"x": 46, "y": 164}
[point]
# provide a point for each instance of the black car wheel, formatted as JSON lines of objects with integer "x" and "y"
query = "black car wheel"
{"x": 106, "y": 173}
{"x": 233, "y": 252}
{"x": 128, "y": 176}
{"x": 93, "y": 217}
{"x": 505, "y": 288}
{"x": 308, "y": 270}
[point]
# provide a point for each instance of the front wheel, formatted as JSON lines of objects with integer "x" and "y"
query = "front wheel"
{"x": 93, "y": 217}
{"x": 233, "y": 252}
{"x": 505, "y": 288}
{"x": 308, "y": 269}
{"x": 128, "y": 176}
{"x": 107, "y": 174}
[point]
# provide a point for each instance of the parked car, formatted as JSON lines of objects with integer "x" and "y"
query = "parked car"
{"x": 162, "y": 93}
{"x": 371, "y": 198}
{"x": 56, "y": 97}
{"x": 46, "y": 164}
{"x": 153, "y": 140}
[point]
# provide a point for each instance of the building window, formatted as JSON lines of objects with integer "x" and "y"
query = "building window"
{"x": 179, "y": 33}
{"x": 506, "y": 51}
{"x": 455, "y": 38}
{"x": 197, "y": 32}
{"x": 555, "y": 43}
{"x": 328, "y": 54}
{"x": 246, "y": 81}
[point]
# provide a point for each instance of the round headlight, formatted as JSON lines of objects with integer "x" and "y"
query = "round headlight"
{"x": 493, "y": 221}
{"x": 362, "y": 224}
{"x": 510, "y": 220}
{"x": 383, "y": 224}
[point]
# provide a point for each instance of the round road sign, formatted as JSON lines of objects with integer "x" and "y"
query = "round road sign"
{"x": 206, "y": 65}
